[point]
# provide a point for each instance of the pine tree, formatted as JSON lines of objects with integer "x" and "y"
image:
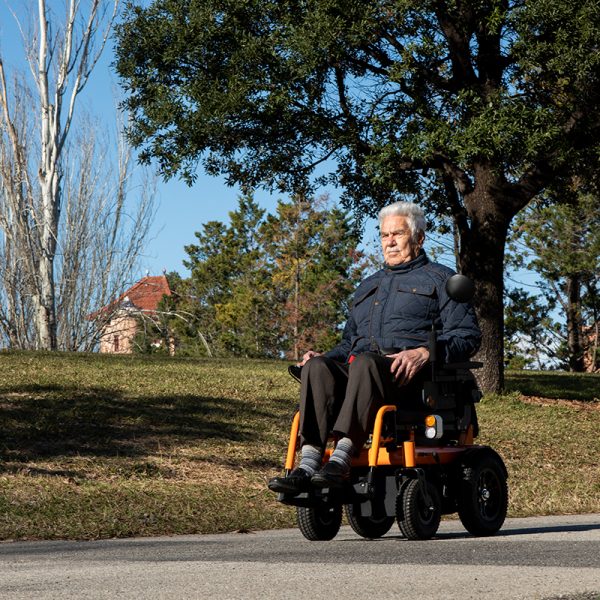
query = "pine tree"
{"x": 266, "y": 286}
{"x": 227, "y": 285}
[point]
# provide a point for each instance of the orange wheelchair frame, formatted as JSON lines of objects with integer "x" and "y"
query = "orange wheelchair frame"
{"x": 412, "y": 474}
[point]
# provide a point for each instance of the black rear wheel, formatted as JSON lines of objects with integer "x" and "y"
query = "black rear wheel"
{"x": 320, "y": 522}
{"x": 367, "y": 527}
{"x": 483, "y": 493}
{"x": 418, "y": 518}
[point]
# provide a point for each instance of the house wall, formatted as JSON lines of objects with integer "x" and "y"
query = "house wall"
{"x": 118, "y": 334}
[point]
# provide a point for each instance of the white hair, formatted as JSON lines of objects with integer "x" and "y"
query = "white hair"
{"x": 415, "y": 217}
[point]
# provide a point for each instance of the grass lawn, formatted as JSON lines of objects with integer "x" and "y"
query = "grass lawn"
{"x": 101, "y": 446}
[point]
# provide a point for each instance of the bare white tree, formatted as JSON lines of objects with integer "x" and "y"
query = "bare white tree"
{"x": 69, "y": 238}
{"x": 61, "y": 59}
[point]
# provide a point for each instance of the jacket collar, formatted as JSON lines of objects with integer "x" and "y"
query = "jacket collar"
{"x": 420, "y": 261}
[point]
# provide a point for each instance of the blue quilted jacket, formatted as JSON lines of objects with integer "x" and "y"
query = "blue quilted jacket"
{"x": 393, "y": 310}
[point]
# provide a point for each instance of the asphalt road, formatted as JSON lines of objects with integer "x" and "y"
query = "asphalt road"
{"x": 542, "y": 557}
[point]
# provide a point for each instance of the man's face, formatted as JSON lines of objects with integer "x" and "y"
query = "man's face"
{"x": 396, "y": 241}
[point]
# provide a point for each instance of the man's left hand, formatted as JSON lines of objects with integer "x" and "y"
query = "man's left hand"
{"x": 408, "y": 363}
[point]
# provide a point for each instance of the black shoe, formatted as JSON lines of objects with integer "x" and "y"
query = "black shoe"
{"x": 296, "y": 482}
{"x": 332, "y": 475}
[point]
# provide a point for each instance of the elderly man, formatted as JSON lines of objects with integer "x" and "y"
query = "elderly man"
{"x": 382, "y": 353}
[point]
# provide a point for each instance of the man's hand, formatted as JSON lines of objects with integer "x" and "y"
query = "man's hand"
{"x": 407, "y": 363}
{"x": 307, "y": 356}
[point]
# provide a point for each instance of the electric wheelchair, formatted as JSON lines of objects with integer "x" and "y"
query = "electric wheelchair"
{"x": 416, "y": 466}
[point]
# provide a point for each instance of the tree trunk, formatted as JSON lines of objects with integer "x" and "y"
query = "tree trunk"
{"x": 489, "y": 289}
{"x": 574, "y": 325}
{"x": 45, "y": 305}
{"x": 482, "y": 259}
{"x": 46, "y": 300}
{"x": 49, "y": 178}
{"x": 297, "y": 311}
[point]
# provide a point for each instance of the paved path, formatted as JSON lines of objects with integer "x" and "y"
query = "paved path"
{"x": 542, "y": 557}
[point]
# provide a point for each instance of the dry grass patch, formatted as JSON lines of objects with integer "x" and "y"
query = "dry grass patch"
{"x": 551, "y": 449}
{"x": 102, "y": 446}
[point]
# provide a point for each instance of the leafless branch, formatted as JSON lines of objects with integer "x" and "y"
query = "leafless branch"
{"x": 68, "y": 235}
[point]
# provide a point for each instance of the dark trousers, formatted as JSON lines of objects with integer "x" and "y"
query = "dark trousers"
{"x": 344, "y": 399}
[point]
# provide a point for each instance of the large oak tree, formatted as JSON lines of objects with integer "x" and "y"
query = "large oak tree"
{"x": 470, "y": 106}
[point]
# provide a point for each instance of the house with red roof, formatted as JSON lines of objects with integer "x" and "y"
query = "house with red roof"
{"x": 123, "y": 316}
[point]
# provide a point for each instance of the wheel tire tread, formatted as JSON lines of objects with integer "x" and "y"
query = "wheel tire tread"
{"x": 313, "y": 527}
{"x": 468, "y": 513}
{"x": 408, "y": 512}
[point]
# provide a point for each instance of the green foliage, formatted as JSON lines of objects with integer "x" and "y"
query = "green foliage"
{"x": 564, "y": 238}
{"x": 313, "y": 256}
{"x": 227, "y": 294}
{"x": 526, "y": 329}
{"x": 262, "y": 90}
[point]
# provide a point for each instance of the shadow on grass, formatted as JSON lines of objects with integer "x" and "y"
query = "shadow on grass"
{"x": 49, "y": 421}
{"x": 568, "y": 386}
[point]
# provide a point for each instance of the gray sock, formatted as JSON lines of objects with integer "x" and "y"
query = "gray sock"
{"x": 310, "y": 458}
{"x": 343, "y": 452}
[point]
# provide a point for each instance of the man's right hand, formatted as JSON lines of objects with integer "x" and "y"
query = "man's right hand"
{"x": 407, "y": 363}
{"x": 307, "y": 356}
